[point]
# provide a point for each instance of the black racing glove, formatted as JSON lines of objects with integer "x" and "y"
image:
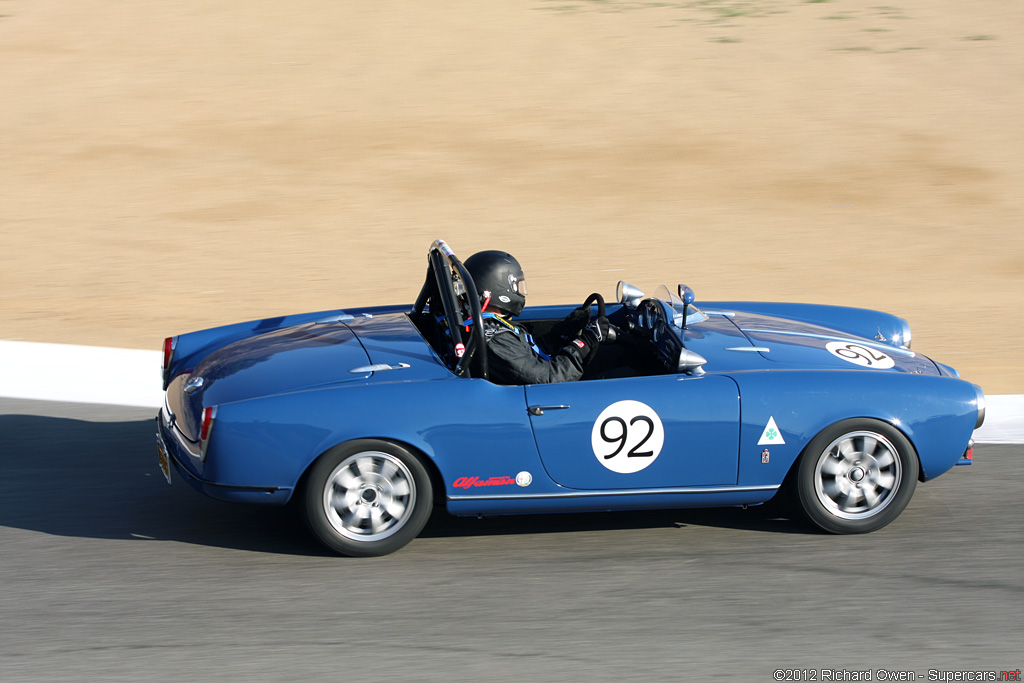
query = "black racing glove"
{"x": 572, "y": 325}
{"x": 576, "y": 321}
{"x": 589, "y": 343}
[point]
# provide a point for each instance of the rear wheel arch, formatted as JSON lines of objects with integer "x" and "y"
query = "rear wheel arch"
{"x": 436, "y": 479}
{"x": 368, "y": 496}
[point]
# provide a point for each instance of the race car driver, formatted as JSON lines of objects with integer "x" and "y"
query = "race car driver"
{"x": 513, "y": 355}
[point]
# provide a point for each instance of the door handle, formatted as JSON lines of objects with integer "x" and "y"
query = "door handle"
{"x": 539, "y": 410}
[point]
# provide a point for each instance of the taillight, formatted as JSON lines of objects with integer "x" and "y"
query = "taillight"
{"x": 209, "y": 415}
{"x": 207, "y": 423}
{"x": 169, "y": 345}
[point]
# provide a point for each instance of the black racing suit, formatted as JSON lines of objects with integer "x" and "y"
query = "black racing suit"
{"x": 513, "y": 357}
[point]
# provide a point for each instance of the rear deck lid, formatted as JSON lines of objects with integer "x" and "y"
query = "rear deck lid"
{"x": 277, "y": 362}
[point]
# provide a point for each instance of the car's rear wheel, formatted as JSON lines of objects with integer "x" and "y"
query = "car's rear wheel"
{"x": 856, "y": 476}
{"x": 367, "y": 498}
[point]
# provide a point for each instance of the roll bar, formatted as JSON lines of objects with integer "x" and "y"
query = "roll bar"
{"x": 451, "y": 281}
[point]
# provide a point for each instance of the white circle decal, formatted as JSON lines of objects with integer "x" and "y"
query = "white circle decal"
{"x": 627, "y": 436}
{"x": 524, "y": 478}
{"x": 860, "y": 355}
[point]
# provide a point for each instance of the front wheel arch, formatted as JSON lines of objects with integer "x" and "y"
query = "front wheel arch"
{"x": 855, "y": 476}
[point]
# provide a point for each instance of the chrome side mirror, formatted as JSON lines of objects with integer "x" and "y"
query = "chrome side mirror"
{"x": 628, "y": 295}
{"x": 691, "y": 362}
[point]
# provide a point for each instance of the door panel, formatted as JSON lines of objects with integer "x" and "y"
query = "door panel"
{"x": 639, "y": 432}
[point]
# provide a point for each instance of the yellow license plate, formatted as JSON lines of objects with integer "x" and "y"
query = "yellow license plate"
{"x": 165, "y": 464}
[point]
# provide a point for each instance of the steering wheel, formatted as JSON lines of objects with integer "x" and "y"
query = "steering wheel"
{"x": 596, "y": 296}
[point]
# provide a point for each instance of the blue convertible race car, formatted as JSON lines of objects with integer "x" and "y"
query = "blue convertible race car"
{"x": 370, "y": 417}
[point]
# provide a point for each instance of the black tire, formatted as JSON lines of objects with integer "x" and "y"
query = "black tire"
{"x": 856, "y": 476}
{"x": 368, "y": 497}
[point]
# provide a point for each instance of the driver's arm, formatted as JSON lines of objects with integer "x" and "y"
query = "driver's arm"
{"x": 511, "y": 360}
{"x": 568, "y": 328}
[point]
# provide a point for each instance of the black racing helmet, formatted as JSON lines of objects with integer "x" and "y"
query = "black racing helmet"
{"x": 498, "y": 277}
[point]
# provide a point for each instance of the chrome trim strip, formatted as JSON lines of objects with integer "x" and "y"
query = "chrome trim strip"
{"x": 166, "y": 413}
{"x": 180, "y": 438}
{"x": 171, "y": 422}
{"x": 362, "y": 369}
{"x": 626, "y": 492}
{"x": 760, "y": 349}
{"x": 724, "y": 314}
{"x": 981, "y": 407}
{"x": 341, "y": 318}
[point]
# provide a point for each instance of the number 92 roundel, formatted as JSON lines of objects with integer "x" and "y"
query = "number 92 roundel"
{"x": 858, "y": 354}
{"x": 627, "y": 436}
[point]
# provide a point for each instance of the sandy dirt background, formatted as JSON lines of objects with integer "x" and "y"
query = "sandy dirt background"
{"x": 168, "y": 166}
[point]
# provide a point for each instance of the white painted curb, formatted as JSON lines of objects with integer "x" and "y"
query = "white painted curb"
{"x": 129, "y": 377}
{"x": 80, "y": 374}
{"x": 1004, "y": 420}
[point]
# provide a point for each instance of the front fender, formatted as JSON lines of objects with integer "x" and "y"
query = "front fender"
{"x": 937, "y": 414}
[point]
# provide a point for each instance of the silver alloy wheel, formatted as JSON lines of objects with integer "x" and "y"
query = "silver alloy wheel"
{"x": 369, "y": 496}
{"x": 857, "y": 476}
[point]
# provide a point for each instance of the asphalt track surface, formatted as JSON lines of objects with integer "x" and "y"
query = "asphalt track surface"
{"x": 108, "y": 574}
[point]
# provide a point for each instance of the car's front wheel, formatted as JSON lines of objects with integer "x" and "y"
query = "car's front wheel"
{"x": 368, "y": 497}
{"x": 856, "y": 476}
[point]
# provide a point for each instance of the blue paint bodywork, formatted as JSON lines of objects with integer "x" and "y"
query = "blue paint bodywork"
{"x": 288, "y": 389}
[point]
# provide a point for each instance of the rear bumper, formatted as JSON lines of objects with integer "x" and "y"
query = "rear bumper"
{"x": 234, "y": 494}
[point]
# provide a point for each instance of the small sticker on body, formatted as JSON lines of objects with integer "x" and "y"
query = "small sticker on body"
{"x": 771, "y": 434}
